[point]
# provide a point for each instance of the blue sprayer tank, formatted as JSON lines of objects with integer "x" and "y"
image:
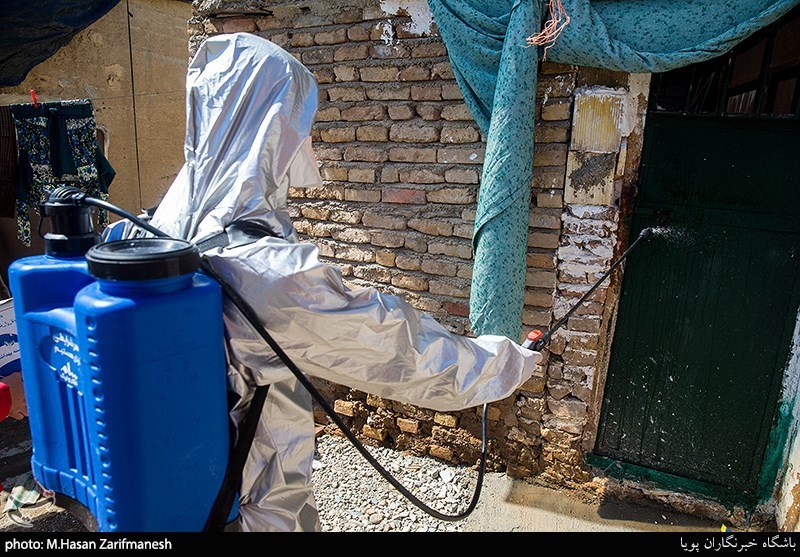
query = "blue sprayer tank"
{"x": 125, "y": 377}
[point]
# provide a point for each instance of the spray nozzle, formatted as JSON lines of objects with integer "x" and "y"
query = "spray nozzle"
{"x": 72, "y": 231}
{"x": 645, "y": 233}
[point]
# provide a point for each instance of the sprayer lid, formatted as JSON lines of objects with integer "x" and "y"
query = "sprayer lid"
{"x": 143, "y": 259}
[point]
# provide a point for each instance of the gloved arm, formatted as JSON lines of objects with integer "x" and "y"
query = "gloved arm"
{"x": 364, "y": 339}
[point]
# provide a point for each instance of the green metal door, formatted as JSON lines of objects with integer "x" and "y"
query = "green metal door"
{"x": 708, "y": 306}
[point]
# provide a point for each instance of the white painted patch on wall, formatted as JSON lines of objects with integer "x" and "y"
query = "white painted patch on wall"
{"x": 418, "y": 11}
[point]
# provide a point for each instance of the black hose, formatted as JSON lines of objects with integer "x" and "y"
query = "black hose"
{"x": 251, "y": 316}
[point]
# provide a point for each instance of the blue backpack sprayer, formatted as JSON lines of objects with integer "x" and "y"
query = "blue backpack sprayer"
{"x": 125, "y": 374}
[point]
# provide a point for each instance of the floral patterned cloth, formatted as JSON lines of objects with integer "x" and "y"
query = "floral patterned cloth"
{"x": 57, "y": 143}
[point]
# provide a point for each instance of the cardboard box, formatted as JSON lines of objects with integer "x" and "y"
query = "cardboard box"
{"x": 9, "y": 345}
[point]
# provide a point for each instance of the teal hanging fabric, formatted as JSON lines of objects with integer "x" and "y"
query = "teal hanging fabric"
{"x": 496, "y": 71}
{"x": 495, "y": 60}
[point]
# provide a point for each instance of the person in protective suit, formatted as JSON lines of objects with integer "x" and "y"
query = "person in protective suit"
{"x": 250, "y": 110}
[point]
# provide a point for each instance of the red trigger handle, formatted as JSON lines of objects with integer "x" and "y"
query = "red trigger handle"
{"x": 533, "y": 337}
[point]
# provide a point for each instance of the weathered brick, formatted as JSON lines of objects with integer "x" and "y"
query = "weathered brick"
{"x": 353, "y": 235}
{"x": 545, "y": 218}
{"x": 334, "y": 173}
{"x": 382, "y": 31}
{"x": 433, "y": 267}
{"x": 429, "y": 111}
{"x": 347, "y": 217}
{"x": 379, "y": 73}
{"x": 352, "y": 15}
{"x": 379, "y": 434}
{"x": 412, "y": 154}
{"x": 267, "y": 23}
{"x": 317, "y": 57}
{"x": 387, "y": 239}
{"x": 447, "y": 420}
{"x": 397, "y": 93}
{"x": 329, "y": 114}
{"x": 451, "y": 91}
{"x": 463, "y": 230}
{"x": 540, "y": 278}
{"x": 538, "y": 297}
{"x": 464, "y": 251}
{"x": 377, "y": 220}
{"x": 345, "y": 94}
{"x": 415, "y": 73}
{"x": 409, "y": 30}
{"x": 535, "y": 317}
{"x": 417, "y": 244}
{"x": 335, "y": 36}
{"x": 311, "y": 20}
{"x": 373, "y": 273}
{"x": 351, "y": 52}
{"x": 412, "y": 133}
{"x": 345, "y": 73}
{"x": 586, "y": 324}
{"x": 448, "y": 289}
{"x": 455, "y": 155}
{"x": 542, "y": 260}
{"x": 434, "y": 227}
{"x": 358, "y": 33}
{"x": 456, "y": 112}
{"x": 319, "y": 213}
{"x": 353, "y": 253}
{"x": 557, "y": 109}
{"x": 456, "y": 308}
{"x": 238, "y": 25}
{"x": 461, "y": 176}
{"x": 548, "y": 179}
{"x": 553, "y": 133}
{"x": 400, "y": 112}
{"x": 326, "y": 250}
{"x": 443, "y": 453}
{"x": 338, "y": 135}
{"x": 551, "y": 198}
{"x": 426, "y": 92}
{"x": 362, "y": 175}
{"x": 410, "y": 282}
{"x": 408, "y": 425}
{"x": 421, "y": 176}
{"x": 549, "y": 86}
{"x": 389, "y": 175}
{"x": 323, "y": 229}
{"x": 555, "y": 68}
{"x": 363, "y": 113}
{"x": 428, "y": 50}
{"x": 408, "y": 262}
{"x": 372, "y": 133}
{"x": 457, "y": 196}
{"x": 325, "y": 192}
{"x": 385, "y": 258}
{"x": 552, "y": 154}
{"x": 442, "y": 70}
{"x": 387, "y": 52}
{"x": 302, "y": 39}
{"x": 368, "y": 196}
{"x": 366, "y": 154}
{"x": 462, "y": 135}
{"x": 403, "y": 195}
{"x": 324, "y": 75}
{"x": 345, "y": 407}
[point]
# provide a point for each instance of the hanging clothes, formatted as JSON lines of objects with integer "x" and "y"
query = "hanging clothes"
{"x": 494, "y": 52}
{"x": 8, "y": 163}
{"x": 57, "y": 145}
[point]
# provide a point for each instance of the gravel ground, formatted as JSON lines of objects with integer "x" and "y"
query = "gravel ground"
{"x": 353, "y": 497}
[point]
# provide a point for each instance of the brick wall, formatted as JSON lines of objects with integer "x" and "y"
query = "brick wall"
{"x": 401, "y": 159}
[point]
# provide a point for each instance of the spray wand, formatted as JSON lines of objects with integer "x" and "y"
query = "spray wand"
{"x": 537, "y": 340}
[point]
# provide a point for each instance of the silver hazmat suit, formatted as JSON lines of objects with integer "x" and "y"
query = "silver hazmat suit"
{"x": 250, "y": 109}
